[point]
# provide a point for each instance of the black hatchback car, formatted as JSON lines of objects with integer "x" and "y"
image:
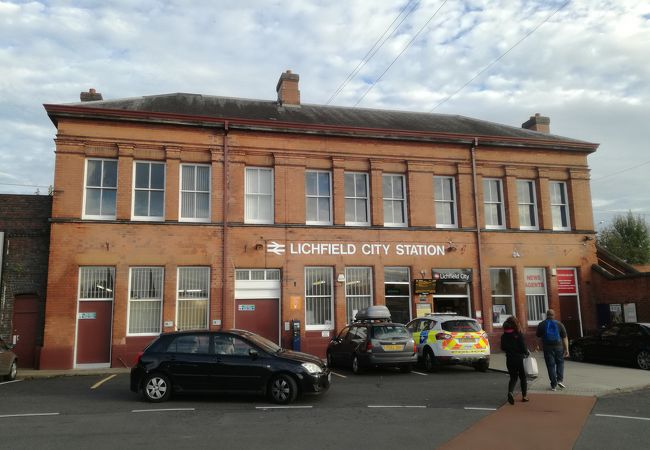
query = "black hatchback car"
{"x": 622, "y": 342}
{"x": 373, "y": 341}
{"x": 225, "y": 361}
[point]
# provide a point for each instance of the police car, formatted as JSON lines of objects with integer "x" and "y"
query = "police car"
{"x": 449, "y": 338}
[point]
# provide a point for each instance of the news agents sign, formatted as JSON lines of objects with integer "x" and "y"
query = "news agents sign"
{"x": 346, "y": 248}
{"x": 452, "y": 275}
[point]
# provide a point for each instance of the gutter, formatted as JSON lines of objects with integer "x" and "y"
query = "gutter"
{"x": 479, "y": 253}
{"x": 224, "y": 241}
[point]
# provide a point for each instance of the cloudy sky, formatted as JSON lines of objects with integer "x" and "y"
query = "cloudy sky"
{"x": 583, "y": 63}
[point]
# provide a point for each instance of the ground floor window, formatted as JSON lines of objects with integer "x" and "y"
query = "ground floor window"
{"x": 319, "y": 298}
{"x": 358, "y": 290}
{"x": 536, "y": 298}
{"x": 193, "y": 297}
{"x": 503, "y": 305}
{"x": 145, "y": 300}
{"x": 452, "y": 295}
{"x": 96, "y": 283}
{"x": 397, "y": 291}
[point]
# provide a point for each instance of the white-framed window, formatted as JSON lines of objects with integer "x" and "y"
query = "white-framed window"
{"x": 493, "y": 203}
{"x": 148, "y": 191}
{"x": 503, "y": 301}
{"x": 318, "y": 197}
{"x": 319, "y": 298}
{"x": 536, "y": 296}
{"x": 195, "y": 193}
{"x": 257, "y": 274}
{"x": 397, "y": 292}
{"x": 444, "y": 192}
{"x": 96, "y": 283}
{"x": 559, "y": 205}
{"x": 259, "y": 195}
{"x": 527, "y": 201}
{"x": 357, "y": 206}
{"x": 193, "y": 298}
{"x": 394, "y": 193}
{"x": 101, "y": 189}
{"x": 145, "y": 301}
{"x": 358, "y": 290}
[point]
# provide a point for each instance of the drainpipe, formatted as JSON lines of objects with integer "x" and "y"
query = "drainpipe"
{"x": 224, "y": 243}
{"x": 486, "y": 312}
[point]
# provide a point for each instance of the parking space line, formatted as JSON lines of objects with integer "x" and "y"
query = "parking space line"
{"x": 285, "y": 407}
{"x": 420, "y": 373}
{"x": 622, "y": 417}
{"x": 12, "y": 381}
{"x": 162, "y": 410}
{"x": 396, "y": 406}
{"x": 338, "y": 375}
{"x": 29, "y": 415}
{"x": 99, "y": 383}
{"x": 478, "y": 408}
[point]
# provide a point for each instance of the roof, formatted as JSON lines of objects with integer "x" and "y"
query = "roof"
{"x": 207, "y": 110}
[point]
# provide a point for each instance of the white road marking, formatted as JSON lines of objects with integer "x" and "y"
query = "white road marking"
{"x": 284, "y": 407}
{"x": 623, "y": 417}
{"x": 338, "y": 375}
{"x": 478, "y": 408}
{"x": 162, "y": 410}
{"x": 420, "y": 373}
{"x": 30, "y": 415}
{"x": 14, "y": 381}
{"x": 99, "y": 383}
{"x": 396, "y": 406}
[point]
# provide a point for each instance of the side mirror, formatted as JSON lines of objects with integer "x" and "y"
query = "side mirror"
{"x": 252, "y": 352}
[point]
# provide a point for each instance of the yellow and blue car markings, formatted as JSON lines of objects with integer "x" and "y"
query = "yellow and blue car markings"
{"x": 480, "y": 344}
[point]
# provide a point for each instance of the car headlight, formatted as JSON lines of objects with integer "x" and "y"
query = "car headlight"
{"x": 312, "y": 368}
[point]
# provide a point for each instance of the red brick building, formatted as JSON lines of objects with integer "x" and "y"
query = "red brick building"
{"x": 190, "y": 211}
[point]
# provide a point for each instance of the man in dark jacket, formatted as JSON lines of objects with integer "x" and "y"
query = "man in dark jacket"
{"x": 556, "y": 348}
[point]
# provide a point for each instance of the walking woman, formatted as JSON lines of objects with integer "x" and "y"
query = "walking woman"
{"x": 514, "y": 345}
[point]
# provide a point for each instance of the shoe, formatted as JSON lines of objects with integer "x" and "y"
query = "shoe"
{"x": 511, "y": 398}
{"x": 561, "y": 385}
{"x": 553, "y": 388}
{"x": 525, "y": 399}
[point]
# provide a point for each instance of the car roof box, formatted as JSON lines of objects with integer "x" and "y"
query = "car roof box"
{"x": 375, "y": 312}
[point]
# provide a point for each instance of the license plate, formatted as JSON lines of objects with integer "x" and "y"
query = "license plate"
{"x": 467, "y": 340}
{"x": 393, "y": 348}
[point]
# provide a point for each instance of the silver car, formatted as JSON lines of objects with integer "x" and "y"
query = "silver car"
{"x": 8, "y": 362}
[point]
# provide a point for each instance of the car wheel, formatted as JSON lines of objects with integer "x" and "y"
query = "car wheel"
{"x": 482, "y": 366}
{"x": 430, "y": 362}
{"x": 405, "y": 369}
{"x": 330, "y": 360}
{"x": 643, "y": 360}
{"x": 356, "y": 366}
{"x": 283, "y": 390}
{"x": 156, "y": 388}
{"x": 13, "y": 370}
{"x": 577, "y": 354}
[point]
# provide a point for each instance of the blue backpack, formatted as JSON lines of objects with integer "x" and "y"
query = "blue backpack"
{"x": 552, "y": 331}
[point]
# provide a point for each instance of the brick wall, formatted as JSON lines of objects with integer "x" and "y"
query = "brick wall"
{"x": 633, "y": 288}
{"x": 25, "y": 221}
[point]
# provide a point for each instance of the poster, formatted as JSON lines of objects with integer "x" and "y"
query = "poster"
{"x": 498, "y": 313}
{"x": 629, "y": 312}
{"x": 615, "y": 313}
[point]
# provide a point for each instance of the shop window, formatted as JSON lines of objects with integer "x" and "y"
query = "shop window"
{"x": 193, "y": 298}
{"x": 357, "y": 208}
{"x": 503, "y": 305}
{"x": 452, "y": 291}
{"x": 318, "y": 195}
{"x": 445, "y": 202}
{"x": 536, "y": 298}
{"x": 195, "y": 193}
{"x": 397, "y": 292}
{"x": 394, "y": 193}
{"x": 319, "y": 298}
{"x": 358, "y": 290}
{"x": 101, "y": 189}
{"x": 96, "y": 283}
{"x": 559, "y": 205}
{"x": 259, "y": 195}
{"x": 149, "y": 191}
{"x": 527, "y": 205}
{"x": 493, "y": 203}
{"x": 145, "y": 300}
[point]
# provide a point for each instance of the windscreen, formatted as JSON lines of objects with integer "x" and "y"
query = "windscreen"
{"x": 389, "y": 332}
{"x": 461, "y": 326}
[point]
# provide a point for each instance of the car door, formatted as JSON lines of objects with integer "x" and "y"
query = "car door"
{"x": 187, "y": 360}
{"x": 336, "y": 348}
{"x": 627, "y": 342}
{"x": 605, "y": 347}
{"x": 5, "y": 359}
{"x": 238, "y": 365}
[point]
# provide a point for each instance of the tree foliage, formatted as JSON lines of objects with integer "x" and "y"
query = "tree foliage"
{"x": 628, "y": 237}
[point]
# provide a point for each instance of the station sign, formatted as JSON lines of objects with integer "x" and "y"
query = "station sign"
{"x": 356, "y": 248}
{"x": 453, "y": 275}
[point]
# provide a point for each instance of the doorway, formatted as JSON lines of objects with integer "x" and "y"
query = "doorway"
{"x": 25, "y": 326}
{"x": 257, "y": 302}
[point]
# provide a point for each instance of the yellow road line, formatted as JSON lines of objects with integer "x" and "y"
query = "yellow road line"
{"x": 99, "y": 383}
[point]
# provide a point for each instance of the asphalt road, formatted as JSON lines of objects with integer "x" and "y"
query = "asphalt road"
{"x": 376, "y": 410}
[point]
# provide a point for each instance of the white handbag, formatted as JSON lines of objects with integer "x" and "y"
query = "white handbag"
{"x": 530, "y": 367}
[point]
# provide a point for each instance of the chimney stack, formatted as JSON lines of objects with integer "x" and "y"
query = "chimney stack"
{"x": 287, "y": 88}
{"x": 538, "y": 123}
{"x": 91, "y": 96}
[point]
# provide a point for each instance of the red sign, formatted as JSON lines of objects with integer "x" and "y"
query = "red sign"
{"x": 566, "y": 282}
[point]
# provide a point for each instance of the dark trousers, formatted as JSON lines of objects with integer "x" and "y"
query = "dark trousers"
{"x": 554, "y": 358}
{"x": 516, "y": 370}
